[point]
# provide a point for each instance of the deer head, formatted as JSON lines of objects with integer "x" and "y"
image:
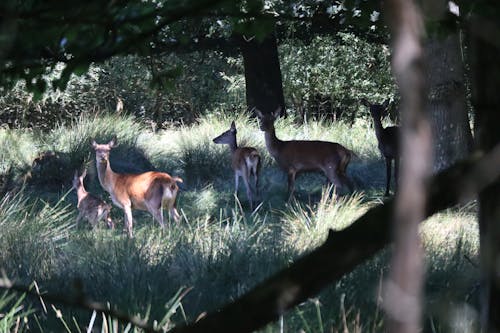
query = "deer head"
{"x": 266, "y": 121}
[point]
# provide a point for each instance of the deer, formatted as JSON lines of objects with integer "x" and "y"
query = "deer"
{"x": 245, "y": 162}
{"x": 149, "y": 191}
{"x": 297, "y": 156}
{"x": 90, "y": 207}
{"x": 388, "y": 141}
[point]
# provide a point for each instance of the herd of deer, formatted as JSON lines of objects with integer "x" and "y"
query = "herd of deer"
{"x": 152, "y": 191}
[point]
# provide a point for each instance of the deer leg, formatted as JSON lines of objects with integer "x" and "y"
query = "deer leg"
{"x": 128, "y": 219}
{"x": 335, "y": 178}
{"x": 256, "y": 179}
{"x": 78, "y": 219}
{"x": 388, "y": 166}
{"x": 247, "y": 185}
{"x": 158, "y": 215}
{"x": 396, "y": 173}
{"x": 236, "y": 182}
{"x": 173, "y": 210}
{"x": 291, "y": 183}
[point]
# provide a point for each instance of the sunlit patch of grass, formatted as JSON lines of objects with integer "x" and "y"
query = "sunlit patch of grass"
{"x": 307, "y": 226}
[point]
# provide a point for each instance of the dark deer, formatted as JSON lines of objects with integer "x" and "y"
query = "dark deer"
{"x": 296, "y": 156}
{"x": 388, "y": 141}
{"x": 245, "y": 162}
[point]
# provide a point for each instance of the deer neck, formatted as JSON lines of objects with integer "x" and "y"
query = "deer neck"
{"x": 273, "y": 144}
{"x": 81, "y": 193}
{"x": 377, "y": 123}
{"x": 106, "y": 175}
{"x": 233, "y": 145}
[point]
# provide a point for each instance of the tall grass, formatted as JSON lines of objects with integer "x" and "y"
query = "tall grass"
{"x": 219, "y": 249}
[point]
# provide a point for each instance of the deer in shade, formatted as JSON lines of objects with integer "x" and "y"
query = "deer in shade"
{"x": 301, "y": 155}
{"x": 245, "y": 162}
{"x": 388, "y": 141}
{"x": 149, "y": 191}
{"x": 89, "y": 206}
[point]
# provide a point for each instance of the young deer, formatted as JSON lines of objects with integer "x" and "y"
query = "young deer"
{"x": 245, "y": 161}
{"x": 388, "y": 141}
{"x": 149, "y": 191}
{"x": 296, "y": 156}
{"x": 90, "y": 207}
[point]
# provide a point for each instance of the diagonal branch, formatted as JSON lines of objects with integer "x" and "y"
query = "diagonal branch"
{"x": 343, "y": 251}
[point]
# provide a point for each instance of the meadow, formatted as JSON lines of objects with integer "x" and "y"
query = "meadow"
{"x": 219, "y": 249}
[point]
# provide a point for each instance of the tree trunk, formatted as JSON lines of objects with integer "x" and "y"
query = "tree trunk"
{"x": 484, "y": 34}
{"x": 403, "y": 288}
{"x": 447, "y": 100}
{"x": 264, "y": 85}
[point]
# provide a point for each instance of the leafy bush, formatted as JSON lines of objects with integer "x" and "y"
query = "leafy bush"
{"x": 329, "y": 76}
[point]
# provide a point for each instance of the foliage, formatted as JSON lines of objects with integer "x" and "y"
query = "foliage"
{"x": 38, "y": 36}
{"x": 329, "y": 76}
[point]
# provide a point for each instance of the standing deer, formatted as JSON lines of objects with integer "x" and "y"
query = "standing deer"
{"x": 296, "y": 156}
{"x": 245, "y": 161}
{"x": 90, "y": 207}
{"x": 388, "y": 141}
{"x": 149, "y": 191}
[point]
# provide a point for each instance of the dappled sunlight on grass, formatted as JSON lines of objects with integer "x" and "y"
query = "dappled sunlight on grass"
{"x": 219, "y": 248}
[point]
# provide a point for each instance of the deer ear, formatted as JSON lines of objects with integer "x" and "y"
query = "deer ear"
{"x": 94, "y": 144}
{"x": 365, "y": 102}
{"x": 112, "y": 143}
{"x": 233, "y": 126}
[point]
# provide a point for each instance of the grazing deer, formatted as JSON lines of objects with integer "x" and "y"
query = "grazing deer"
{"x": 149, "y": 191}
{"x": 245, "y": 161}
{"x": 90, "y": 207}
{"x": 388, "y": 141}
{"x": 296, "y": 156}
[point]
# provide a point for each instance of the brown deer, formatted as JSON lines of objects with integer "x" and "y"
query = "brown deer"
{"x": 388, "y": 141}
{"x": 149, "y": 191}
{"x": 245, "y": 162}
{"x": 296, "y": 156}
{"x": 89, "y": 206}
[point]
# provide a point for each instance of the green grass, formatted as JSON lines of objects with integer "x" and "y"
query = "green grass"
{"x": 219, "y": 248}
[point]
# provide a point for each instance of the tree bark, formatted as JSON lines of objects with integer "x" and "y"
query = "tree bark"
{"x": 403, "y": 288}
{"x": 484, "y": 37}
{"x": 264, "y": 85}
{"x": 447, "y": 104}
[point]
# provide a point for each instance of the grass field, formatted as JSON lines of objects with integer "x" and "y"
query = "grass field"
{"x": 219, "y": 249}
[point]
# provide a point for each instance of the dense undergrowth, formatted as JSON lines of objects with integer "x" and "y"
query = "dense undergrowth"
{"x": 219, "y": 248}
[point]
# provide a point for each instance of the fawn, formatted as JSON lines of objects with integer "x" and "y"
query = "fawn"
{"x": 89, "y": 206}
{"x": 245, "y": 162}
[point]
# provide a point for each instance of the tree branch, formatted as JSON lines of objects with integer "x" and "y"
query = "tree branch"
{"x": 343, "y": 251}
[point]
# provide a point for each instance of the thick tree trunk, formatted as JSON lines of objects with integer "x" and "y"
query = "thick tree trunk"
{"x": 264, "y": 85}
{"x": 447, "y": 100}
{"x": 484, "y": 35}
